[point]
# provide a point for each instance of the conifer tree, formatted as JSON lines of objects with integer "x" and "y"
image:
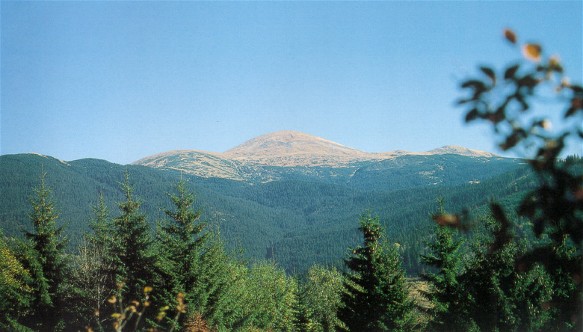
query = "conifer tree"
{"x": 48, "y": 257}
{"x": 376, "y": 297}
{"x": 210, "y": 294}
{"x": 445, "y": 294}
{"x": 194, "y": 262}
{"x": 181, "y": 238}
{"x": 501, "y": 297}
{"x": 95, "y": 272}
{"x": 134, "y": 256}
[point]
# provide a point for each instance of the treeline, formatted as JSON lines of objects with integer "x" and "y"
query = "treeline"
{"x": 125, "y": 276}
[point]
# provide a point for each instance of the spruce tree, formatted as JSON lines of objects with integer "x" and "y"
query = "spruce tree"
{"x": 446, "y": 296}
{"x": 193, "y": 261}
{"x": 376, "y": 297}
{"x": 180, "y": 241}
{"x": 210, "y": 294}
{"x": 500, "y": 296}
{"x": 95, "y": 270}
{"x": 48, "y": 257}
{"x": 133, "y": 253}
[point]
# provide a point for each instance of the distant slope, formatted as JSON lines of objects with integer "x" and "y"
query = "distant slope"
{"x": 302, "y": 215}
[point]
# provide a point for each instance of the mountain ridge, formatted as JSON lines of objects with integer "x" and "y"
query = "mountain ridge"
{"x": 285, "y": 148}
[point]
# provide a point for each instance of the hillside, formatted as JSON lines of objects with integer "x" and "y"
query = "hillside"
{"x": 301, "y": 216}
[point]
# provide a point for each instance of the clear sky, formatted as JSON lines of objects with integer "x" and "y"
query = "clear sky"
{"x": 124, "y": 80}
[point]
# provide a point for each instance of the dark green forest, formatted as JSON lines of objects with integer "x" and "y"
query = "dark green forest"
{"x": 297, "y": 221}
{"x": 89, "y": 245}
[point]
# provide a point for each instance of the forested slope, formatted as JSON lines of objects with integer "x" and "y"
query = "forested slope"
{"x": 302, "y": 219}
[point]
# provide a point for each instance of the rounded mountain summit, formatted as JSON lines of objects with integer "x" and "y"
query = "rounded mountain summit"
{"x": 285, "y": 148}
{"x": 294, "y": 148}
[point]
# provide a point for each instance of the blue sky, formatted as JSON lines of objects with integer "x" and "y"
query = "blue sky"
{"x": 124, "y": 80}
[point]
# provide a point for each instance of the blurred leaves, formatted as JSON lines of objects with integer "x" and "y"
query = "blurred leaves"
{"x": 447, "y": 220}
{"x": 490, "y": 73}
{"x": 510, "y": 73}
{"x": 510, "y": 36}
{"x": 532, "y": 52}
{"x": 555, "y": 206}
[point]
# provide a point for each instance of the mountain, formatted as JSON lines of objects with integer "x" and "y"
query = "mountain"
{"x": 293, "y": 148}
{"x": 256, "y": 159}
{"x": 294, "y": 210}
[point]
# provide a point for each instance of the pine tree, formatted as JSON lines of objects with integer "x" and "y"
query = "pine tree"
{"x": 95, "y": 270}
{"x": 446, "y": 296}
{"x": 193, "y": 262}
{"x": 500, "y": 296}
{"x": 133, "y": 253}
{"x": 181, "y": 238}
{"x": 376, "y": 297}
{"x": 49, "y": 257}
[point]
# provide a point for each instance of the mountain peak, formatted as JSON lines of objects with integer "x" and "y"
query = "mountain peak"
{"x": 286, "y": 148}
{"x": 292, "y": 148}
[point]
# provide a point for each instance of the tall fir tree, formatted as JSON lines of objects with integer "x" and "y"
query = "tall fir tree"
{"x": 376, "y": 297}
{"x": 500, "y": 296}
{"x": 446, "y": 296}
{"x": 48, "y": 247}
{"x": 134, "y": 257}
{"x": 101, "y": 241}
{"x": 193, "y": 261}
{"x": 95, "y": 270}
{"x": 180, "y": 238}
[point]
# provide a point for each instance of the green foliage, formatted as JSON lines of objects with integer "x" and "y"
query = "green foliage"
{"x": 46, "y": 261}
{"x": 446, "y": 295}
{"x": 180, "y": 241}
{"x": 192, "y": 261}
{"x": 133, "y": 251}
{"x": 209, "y": 295}
{"x": 500, "y": 297}
{"x": 303, "y": 218}
{"x": 94, "y": 272}
{"x": 376, "y": 297}
{"x": 272, "y": 298}
{"x": 320, "y": 300}
{"x": 14, "y": 287}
